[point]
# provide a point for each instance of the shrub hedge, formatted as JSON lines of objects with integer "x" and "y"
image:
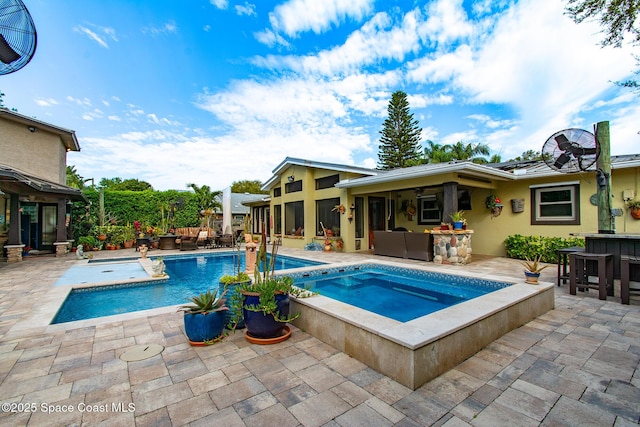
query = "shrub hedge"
{"x": 522, "y": 247}
{"x": 124, "y": 207}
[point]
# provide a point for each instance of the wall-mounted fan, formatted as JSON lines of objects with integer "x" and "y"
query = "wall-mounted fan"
{"x": 18, "y": 36}
{"x": 571, "y": 150}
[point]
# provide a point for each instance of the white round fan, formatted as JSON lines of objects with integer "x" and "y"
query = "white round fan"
{"x": 571, "y": 150}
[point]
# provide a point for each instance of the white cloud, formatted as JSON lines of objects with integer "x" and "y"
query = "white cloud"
{"x": 166, "y": 28}
{"x": 48, "y": 102}
{"x": 247, "y": 9}
{"x": 114, "y": 118}
{"x": 108, "y": 33}
{"x": 220, "y": 4}
{"x": 297, "y": 16}
{"x": 85, "y": 102}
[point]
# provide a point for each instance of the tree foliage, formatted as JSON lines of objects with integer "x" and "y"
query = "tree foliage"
{"x": 118, "y": 184}
{"x": 617, "y": 18}
{"x": 248, "y": 186}
{"x": 400, "y": 140}
{"x": 528, "y": 155}
{"x": 73, "y": 178}
{"x": 437, "y": 153}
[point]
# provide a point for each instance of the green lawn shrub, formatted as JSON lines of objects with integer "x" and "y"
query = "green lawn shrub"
{"x": 523, "y": 247}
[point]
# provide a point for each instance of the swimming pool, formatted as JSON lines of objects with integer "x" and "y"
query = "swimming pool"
{"x": 188, "y": 275}
{"x": 398, "y": 293}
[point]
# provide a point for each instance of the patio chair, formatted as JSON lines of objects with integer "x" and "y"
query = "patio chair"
{"x": 226, "y": 240}
{"x": 203, "y": 239}
{"x": 188, "y": 243}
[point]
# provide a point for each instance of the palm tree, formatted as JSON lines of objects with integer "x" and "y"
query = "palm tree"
{"x": 459, "y": 151}
{"x": 436, "y": 153}
{"x": 207, "y": 202}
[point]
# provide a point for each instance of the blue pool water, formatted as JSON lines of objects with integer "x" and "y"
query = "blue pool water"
{"x": 397, "y": 293}
{"x": 188, "y": 276}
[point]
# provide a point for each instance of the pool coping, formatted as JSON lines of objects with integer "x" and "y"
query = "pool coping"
{"x": 416, "y": 351}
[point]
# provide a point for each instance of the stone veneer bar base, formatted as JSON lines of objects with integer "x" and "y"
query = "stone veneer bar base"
{"x": 452, "y": 246}
{"x": 415, "y": 352}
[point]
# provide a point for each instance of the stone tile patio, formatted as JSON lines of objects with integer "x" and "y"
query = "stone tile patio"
{"x": 575, "y": 365}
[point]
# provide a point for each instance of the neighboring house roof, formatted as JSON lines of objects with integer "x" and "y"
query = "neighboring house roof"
{"x": 292, "y": 161}
{"x": 67, "y": 136}
{"x": 14, "y": 181}
{"x": 238, "y": 201}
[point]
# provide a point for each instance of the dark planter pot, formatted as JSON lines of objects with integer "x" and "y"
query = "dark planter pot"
{"x": 531, "y": 277}
{"x": 232, "y": 291}
{"x": 204, "y": 327}
{"x": 260, "y": 325}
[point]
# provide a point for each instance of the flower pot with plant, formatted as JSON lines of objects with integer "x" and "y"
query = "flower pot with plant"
{"x": 533, "y": 269}
{"x": 204, "y": 319}
{"x": 634, "y": 208}
{"x": 458, "y": 220}
{"x": 265, "y": 302}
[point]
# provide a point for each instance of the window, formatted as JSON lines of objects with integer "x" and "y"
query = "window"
{"x": 429, "y": 211}
{"x": 277, "y": 219}
{"x": 327, "y": 181}
{"x": 294, "y": 218}
{"x": 555, "y": 205}
{"x": 328, "y": 217}
{"x": 293, "y": 187}
{"x": 277, "y": 191}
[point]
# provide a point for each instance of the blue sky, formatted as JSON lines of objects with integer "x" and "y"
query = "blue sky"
{"x": 212, "y": 92}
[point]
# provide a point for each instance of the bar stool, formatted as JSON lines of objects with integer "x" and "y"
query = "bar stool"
{"x": 578, "y": 262}
{"x": 626, "y": 262}
{"x": 563, "y": 260}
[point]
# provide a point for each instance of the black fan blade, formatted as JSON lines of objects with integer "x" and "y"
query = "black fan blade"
{"x": 562, "y": 160}
{"x": 581, "y": 151}
{"x": 563, "y": 143}
{"x": 7, "y": 54}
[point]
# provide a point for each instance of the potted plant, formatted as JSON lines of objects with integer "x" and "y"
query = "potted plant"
{"x": 231, "y": 284}
{"x": 458, "y": 220}
{"x": 494, "y": 204}
{"x": 533, "y": 269}
{"x": 634, "y": 208}
{"x": 128, "y": 237}
{"x": 204, "y": 319}
{"x": 265, "y": 302}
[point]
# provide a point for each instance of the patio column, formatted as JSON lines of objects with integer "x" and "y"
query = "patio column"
{"x": 450, "y": 200}
{"x": 61, "y": 229}
{"x": 14, "y": 236}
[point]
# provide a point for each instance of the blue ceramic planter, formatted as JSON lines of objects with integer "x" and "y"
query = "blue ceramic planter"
{"x": 260, "y": 325}
{"x": 232, "y": 290}
{"x": 204, "y": 327}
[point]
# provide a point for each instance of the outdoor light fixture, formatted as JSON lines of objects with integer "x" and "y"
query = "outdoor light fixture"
{"x": 291, "y": 178}
{"x": 33, "y": 129}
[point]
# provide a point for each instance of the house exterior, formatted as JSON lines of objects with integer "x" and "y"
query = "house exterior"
{"x": 307, "y": 198}
{"x": 33, "y": 194}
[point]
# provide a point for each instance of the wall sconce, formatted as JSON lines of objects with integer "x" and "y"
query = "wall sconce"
{"x": 291, "y": 178}
{"x": 33, "y": 129}
{"x": 352, "y": 208}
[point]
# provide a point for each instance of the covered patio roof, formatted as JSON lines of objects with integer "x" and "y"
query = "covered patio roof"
{"x": 16, "y": 182}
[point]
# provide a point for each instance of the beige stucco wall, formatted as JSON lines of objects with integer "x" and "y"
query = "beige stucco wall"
{"x": 40, "y": 153}
{"x": 489, "y": 232}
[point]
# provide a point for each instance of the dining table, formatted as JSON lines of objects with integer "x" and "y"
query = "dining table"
{"x": 617, "y": 244}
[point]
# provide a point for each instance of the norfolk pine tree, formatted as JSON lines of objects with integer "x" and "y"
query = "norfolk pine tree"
{"x": 400, "y": 140}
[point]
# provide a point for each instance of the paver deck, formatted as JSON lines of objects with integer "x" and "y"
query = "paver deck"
{"x": 575, "y": 365}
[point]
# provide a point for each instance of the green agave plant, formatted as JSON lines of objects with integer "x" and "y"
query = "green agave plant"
{"x": 533, "y": 265}
{"x": 206, "y": 302}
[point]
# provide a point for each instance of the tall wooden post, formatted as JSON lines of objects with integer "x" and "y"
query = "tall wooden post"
{"x": 603, "y": 179}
